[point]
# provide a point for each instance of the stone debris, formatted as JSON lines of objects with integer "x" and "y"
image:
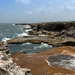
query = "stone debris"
{"x": 7, "y": 65}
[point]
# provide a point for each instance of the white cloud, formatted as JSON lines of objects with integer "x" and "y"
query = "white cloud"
{"x": 42, "y": 9}
{"x": 69, "y": 5}
{"x": 24, "y": 1}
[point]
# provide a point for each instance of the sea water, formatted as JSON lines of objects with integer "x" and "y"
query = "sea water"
{"x": 10, "y": 31}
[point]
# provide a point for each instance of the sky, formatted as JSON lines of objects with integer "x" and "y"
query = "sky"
{"x": 35, "y": 11}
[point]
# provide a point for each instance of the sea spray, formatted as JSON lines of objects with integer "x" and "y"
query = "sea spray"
{"x": 5, "y": 39}
{"x": 23, "y": 34}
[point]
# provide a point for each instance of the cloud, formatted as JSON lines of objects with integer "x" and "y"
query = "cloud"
{"x": 69, "y": 5}
{"x": 42, "y": 9}
{"x": 23, "y": 1}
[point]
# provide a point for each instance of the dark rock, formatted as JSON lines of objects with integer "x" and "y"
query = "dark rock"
{"x": 4, "y": 72}
{"x": 26, "y": 28}
{"x": 71, "y": 28}
{"x": 63, "y": 32}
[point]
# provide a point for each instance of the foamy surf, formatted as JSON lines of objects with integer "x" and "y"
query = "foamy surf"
{"x": 27, "y": 26}
{"x": 13, "y": 24}
{"x": 43, "y": 35}
{"x": 43, "y": 45}
{"x": 65, "y": 61}
{"x": 5, "y": 39}
{"x": 23, "y": 34}
{"x": 28, "y": 30}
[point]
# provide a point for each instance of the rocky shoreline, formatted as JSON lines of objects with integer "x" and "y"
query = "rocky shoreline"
{"x": 56, "y": 61}
{"x": 57, "y": 34}
{"x": 7, "y": 64}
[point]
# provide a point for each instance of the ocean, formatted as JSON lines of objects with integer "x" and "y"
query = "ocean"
{"x": 10, "y": 31}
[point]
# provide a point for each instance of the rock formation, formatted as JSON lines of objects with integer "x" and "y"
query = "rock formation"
{"x": 50, "y": 62}
{"x": 56, "y": 61}
{"x": 7, "y": 65}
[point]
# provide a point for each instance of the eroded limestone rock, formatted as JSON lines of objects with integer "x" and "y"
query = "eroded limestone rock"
{"x": 7, "y": 65}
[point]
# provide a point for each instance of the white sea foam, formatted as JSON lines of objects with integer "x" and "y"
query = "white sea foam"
{"x": 5, "y": 39}
{"x": 23, "y": 34}
{"x": 43, "y": 45}
{"x": 43, "y": 35}
{"x": 48, "y": 62}
{"x": 69, "y": 64}
{"x": 28, "y": 30}
{"x": 26, "y": 44}
{"x": 13, "y": 24}
{"x": 27, "y": 26}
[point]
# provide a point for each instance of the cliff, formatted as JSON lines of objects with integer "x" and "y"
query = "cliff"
{"x": 50, "y": 26}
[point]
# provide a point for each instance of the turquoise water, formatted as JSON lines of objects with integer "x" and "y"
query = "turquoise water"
{"x": 9, "y": 31}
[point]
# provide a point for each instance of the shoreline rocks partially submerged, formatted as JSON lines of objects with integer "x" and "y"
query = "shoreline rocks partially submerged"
{"x": 7, "y": 65}
{"x": 58, "y": 34}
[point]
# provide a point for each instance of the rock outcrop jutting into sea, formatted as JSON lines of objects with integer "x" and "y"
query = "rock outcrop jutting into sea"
{"x": 7, "y": 65}
{"x": 58, "y": 34}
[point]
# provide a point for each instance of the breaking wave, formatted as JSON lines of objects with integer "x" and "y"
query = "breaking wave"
{"x": 28, "y": 30}
{"x": 27, "y": 26}
{"x": 23, "y": 34}
{"x": 5, "y": 39}
{"x": 13, "y": 24}
{"x": 43, "y": 45}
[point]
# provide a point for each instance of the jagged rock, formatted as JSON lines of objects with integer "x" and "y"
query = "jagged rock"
{"x": 7, "y": 65}
{"x": 62, "y": 32}
{"x": 71, "y": 28}
{"x": 4, "y": 72}
{"x": 70, "y": 33}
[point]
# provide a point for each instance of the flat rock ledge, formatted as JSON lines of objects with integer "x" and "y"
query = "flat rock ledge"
{"x": 7, "y": 65}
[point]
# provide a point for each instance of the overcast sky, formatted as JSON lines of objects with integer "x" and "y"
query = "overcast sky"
{"x": 28, "y": 11}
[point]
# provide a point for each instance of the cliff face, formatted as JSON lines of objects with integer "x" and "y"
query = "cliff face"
{"x": 7, "y": 65}
{"x": 50, "y": 26}
{"x": 54, "y": 26}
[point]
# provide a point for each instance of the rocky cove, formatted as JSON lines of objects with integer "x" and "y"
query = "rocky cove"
{"x": 57, "y": 61}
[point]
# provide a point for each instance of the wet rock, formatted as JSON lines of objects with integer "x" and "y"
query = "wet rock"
{"x": 60, "y": 60}
{"x": 39, "y": 64}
